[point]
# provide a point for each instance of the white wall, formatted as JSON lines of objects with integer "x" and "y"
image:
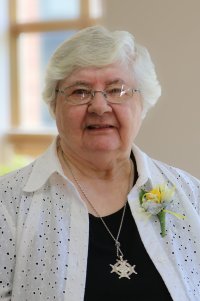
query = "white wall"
{"x": 171, "y": 32}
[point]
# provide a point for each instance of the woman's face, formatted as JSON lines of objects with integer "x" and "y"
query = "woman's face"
{"x": 99, "y": 126}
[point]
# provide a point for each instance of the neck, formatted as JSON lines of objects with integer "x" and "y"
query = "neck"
{"x": 106, "y": 189}
{"x": 102, "y": 166}
{"x": 97, "y": 170}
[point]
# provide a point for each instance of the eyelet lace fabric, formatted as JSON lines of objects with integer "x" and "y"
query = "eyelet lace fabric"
{"x": 44, "y": 231}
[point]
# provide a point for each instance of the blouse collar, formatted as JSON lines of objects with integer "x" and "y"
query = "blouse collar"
{"x": 48, "y": 164}
{"x": 43, "y": 167}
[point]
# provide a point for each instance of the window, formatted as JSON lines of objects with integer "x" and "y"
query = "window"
{"x": 37, "y": 27}
{"x": 33, "y": 29}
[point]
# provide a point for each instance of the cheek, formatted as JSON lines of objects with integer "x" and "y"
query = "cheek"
{"x": 69, "y": 119}
{"x": 131, "y": 116}
{"x": 137, "y": 120}
{"x": 130, "y": 122}
{"x": 61, "y": 118}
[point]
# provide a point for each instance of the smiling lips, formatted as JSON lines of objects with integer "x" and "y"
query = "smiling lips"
{"x": 99, "y": 126}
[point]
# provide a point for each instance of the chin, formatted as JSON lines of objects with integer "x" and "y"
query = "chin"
{"x": 103, "y": 147}
{"x": 103, "y": 144}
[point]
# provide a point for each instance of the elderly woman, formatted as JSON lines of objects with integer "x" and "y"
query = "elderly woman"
{"x": 94, "y": 218}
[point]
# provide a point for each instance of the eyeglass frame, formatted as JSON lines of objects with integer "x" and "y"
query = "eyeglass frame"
{"x": 93, "y": 92}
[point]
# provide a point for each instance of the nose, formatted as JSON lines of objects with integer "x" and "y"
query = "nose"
{"x": 99, "y": 104}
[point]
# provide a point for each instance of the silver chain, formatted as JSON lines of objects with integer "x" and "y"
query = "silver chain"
{"x": 116, "y": 240}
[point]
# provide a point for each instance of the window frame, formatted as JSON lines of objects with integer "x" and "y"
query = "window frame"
{"x": 15, "y": 29}
{"x": 36, "y": 27}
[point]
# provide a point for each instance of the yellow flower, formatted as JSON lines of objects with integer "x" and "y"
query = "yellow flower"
{"x": 155, "y": 202}
{"x": 154, "y": 196}
{"x": 160, "y": 194}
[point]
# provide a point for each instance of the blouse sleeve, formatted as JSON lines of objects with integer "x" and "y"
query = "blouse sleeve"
{"x": 7, "y": 252}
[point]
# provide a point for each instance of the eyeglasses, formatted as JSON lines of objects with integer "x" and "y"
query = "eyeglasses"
{"x": 78, "y": 94}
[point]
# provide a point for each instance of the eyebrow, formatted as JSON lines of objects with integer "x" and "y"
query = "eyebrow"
{"x": 79, "y": 83}
{"x": 88, "y": 84}
{"x": 115, "y": 81}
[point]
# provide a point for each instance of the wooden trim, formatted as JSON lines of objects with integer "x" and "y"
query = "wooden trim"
{"x": 12, "y": 7}
{"x": 85, "y": 9}
{"x": 14, "y": 83}
{"x": 17, "y": 28}
{"x": 29, "y": 144}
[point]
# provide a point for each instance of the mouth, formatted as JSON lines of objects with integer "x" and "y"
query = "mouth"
{"x": 99, "y": 126}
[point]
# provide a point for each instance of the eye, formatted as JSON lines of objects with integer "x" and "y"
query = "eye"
{"x": 79, "y": 92}
{"x": 114, "y": 90}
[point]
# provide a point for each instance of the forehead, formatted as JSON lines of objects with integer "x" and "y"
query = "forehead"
{"x": 95, "y": 75}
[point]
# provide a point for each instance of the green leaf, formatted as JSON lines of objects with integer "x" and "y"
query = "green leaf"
{"x": 161, "y": 217}
{"x": 141, "y": 194}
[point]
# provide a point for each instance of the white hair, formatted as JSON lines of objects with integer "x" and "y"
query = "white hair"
{"x": 98, "y": 47}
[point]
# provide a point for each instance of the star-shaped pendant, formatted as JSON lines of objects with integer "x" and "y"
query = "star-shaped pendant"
{"x": 123, "y": 268}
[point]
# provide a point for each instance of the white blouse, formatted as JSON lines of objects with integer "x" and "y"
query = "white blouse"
{"x": 44, "y": 229}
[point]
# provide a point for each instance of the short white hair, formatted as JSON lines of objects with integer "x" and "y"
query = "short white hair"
{"x": 96, "y": 46}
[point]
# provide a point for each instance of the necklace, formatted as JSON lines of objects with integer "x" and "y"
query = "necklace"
{"x": 122, "y": 268}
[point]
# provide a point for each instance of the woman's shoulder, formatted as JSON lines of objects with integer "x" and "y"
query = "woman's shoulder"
{"x": 169, "y": 171}
{"x": 183, "y": 181}
{"x": 178, "y": 173}
{"x": 11, "y": 190}
{"x": 16, "y": 179}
